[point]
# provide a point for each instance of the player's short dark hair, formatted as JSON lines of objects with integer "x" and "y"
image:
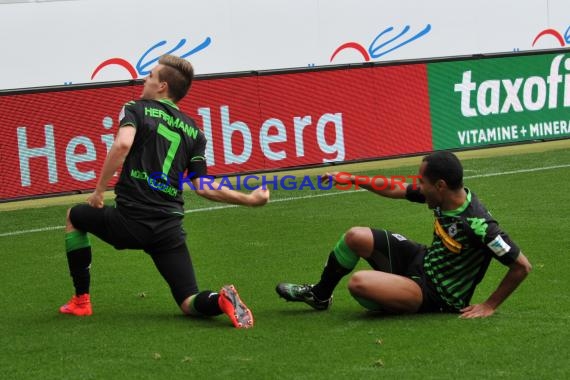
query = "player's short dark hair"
{"x": 178, "y": 73}
{"x": 446, "y": 166}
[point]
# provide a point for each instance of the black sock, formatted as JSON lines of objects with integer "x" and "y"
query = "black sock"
{"x": 331, "y": 276}
{"x": 79, "y": 261}
{"x": 206, "y": 303}
{"x": 78, "y": 250}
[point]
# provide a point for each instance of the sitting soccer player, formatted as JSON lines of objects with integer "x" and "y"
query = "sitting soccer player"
{"x": 154, "y": 137}
{"x": 408, "y": 277}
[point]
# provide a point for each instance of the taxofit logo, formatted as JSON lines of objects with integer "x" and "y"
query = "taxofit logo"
{"x": 505, "y": 95}
{"x": 341, "y": 181}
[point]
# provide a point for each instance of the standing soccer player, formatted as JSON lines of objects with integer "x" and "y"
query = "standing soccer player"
{"x": 155, "y": 143}
{"x": 409, "y": 277}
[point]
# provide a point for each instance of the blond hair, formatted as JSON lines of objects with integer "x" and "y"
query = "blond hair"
{"x": 178, "y": 73}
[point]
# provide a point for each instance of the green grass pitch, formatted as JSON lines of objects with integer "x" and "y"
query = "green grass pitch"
{"x": 138, "y": 332}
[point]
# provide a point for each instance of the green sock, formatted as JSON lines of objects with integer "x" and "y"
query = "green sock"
{"x": 76, "y": 240}
{"x": 344, "y": 255}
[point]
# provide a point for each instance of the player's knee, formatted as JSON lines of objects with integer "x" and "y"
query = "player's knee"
{"x": 358, "y": 240}
{"x": 68, "y": 225}
{"x": 357, "y": 284}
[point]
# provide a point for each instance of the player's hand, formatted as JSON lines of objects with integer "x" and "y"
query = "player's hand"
{"x": 259, "y": 197}
{"x": 481, "y": 310}
{"x": 96, "y": 199}
{"x": 328, "y": 177}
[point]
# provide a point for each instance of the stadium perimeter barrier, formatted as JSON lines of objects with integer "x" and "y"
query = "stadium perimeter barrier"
{"x": 53, "y": 140}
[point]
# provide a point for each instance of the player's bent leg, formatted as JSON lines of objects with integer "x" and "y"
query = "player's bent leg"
{"x": 78, "y": 253}
{"x": 392, "y": 293}
{"x": 175, "y": 266}
{"x": 355, "y": 243}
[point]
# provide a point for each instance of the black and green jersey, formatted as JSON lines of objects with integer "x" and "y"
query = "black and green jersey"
{"x": 167, "y": 151}
{"x": 464, "y": 242}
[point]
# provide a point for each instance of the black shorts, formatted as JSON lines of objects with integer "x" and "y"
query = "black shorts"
{"x": 394, "y": 253}
{"x": 165, "y": 242}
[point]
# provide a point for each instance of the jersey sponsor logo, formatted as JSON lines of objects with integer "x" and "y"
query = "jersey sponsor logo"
{"x": 499, "y": 246}
{"x": 157, "y": 181}
{"x": 452, "y": 245}
{"x": 478, "y": 225}
{"x": 399, "y": 237}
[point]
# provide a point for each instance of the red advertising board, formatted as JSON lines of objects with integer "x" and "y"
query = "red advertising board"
{"x": 56, "y": 141}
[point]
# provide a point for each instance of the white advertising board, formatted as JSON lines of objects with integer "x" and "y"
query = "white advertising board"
{"x": 47, "y": 43}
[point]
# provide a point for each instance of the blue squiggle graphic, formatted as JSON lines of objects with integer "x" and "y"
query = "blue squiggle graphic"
{"x": 373, "y": 50}
{"x": 142, "y": 67}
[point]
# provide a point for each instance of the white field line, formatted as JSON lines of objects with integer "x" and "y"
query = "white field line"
{"x": 213, "y": 208}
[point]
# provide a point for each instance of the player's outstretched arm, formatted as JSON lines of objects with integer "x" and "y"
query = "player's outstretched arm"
{"x": 380, "y": 185}
{"x": 516, "y": 274}
{"x": 217, "y": 193}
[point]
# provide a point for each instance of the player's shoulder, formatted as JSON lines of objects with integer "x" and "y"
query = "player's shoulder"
{"x": 477, "y": 218}
{"x": 476, "y": 207}
{"x": 129, "y": 110}
{"x": 143, "y": 103}
{"x": 130, "y": 103}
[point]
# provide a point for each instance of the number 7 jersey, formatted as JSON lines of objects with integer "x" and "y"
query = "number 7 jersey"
{"x": 167, "y": 151}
